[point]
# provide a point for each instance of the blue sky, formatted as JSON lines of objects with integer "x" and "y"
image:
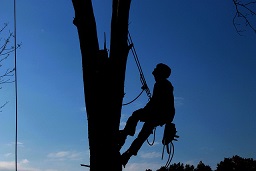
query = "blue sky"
{"x": 213, "y": 74}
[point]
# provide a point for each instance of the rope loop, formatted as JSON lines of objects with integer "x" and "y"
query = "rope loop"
{"x": 134, "y": 98}
{"x": 154, "y": 132}
{"x": 170, "y": 151}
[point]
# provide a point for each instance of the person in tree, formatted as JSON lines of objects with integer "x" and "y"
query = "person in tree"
{"x": 158, "y": 111}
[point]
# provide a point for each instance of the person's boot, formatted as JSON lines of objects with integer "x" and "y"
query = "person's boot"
{"x": 125, "y": 158}
{"x": 121, "y": 139}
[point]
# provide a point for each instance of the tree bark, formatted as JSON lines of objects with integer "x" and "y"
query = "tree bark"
{"x": 103, "y": 81}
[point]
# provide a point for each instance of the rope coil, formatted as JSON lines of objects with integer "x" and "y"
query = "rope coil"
{"x": 170, "y": 151}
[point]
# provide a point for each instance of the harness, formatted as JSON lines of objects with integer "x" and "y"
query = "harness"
{"x": 168, "y": 138}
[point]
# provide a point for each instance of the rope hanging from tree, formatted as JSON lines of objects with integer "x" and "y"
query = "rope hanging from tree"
{"x": 142, "y": 78}
{"x": 170, "y": 152}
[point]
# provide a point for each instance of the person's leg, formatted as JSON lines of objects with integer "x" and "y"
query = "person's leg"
{"x": 146, "y": 130}
{"x": 132, "y": 122}
{"x": 130, "y": 126}
{"x": 138, "y": 142}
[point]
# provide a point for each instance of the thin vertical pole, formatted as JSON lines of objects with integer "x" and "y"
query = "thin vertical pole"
{"x": 16, "y": 90}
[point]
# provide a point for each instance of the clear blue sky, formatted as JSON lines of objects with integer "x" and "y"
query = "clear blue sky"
{"x": 213, "y": 75}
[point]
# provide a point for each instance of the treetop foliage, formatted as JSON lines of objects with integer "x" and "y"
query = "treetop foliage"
{"x": 235, "y": 163}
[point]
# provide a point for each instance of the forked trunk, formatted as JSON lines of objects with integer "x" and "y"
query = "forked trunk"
{"x": 103, "y": 81}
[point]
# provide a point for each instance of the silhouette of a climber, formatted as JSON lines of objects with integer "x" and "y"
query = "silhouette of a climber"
{"x": 157, "y": 112}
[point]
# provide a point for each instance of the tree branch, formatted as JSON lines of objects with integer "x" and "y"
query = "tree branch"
{"x": 3, "y": 106}
{"x": 244, "y": 12}
{"x": 6, "y": 74}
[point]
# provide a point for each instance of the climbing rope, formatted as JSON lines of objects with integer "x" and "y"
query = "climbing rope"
{"x": 142, "y": 78}
{"x": 154, "y": 137}
{"x": 134, "y": 98}
{"x": 170, "y": 151}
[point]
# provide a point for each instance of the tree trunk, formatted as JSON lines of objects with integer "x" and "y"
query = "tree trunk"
{"x": 103, "y": 81}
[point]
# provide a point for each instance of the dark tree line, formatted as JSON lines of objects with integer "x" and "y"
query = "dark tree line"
{"x": 235, "y": 163}
{"x": 187, "y": 167}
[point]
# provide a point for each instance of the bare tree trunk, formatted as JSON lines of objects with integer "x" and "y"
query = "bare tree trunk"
{"x": 103, "y": 81}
